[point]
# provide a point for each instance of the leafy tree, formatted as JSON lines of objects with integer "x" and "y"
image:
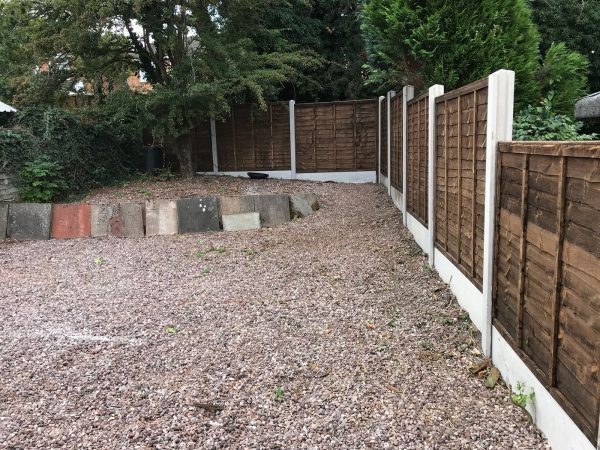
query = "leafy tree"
{"x": 563, "y": 75}
{"x": 577, "y": 24}
{"x": 196, "y": 54}
{"x": 423, "y": 42}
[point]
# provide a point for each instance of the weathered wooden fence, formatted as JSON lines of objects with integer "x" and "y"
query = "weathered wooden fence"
{"x": 461, "y": 118}
{"x": 515, "y": 234}
{"x": 327, "y": 137}
{"x": 336, "y": 136}
{"x": 417, "y": 157}
{"x": 547, "y": 272}
{"x": 396, "y": 142}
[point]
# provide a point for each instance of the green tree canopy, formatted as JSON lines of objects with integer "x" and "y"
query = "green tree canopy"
{"x": 577, "y": 24}
{"x": 198, "y": 54}
{"x": 424, "y": 42}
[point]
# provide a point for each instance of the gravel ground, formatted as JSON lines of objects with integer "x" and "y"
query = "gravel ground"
{"x": 329, "y": 332}
{"x": 141, "y": 190}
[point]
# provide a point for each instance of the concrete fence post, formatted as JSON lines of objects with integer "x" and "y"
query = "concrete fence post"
{"x": 213, "y": 143}
{"x": 435, "y": 91}
{"x": 390, "y": 95}
{"x": 408, "y": 93}
{"x": 379, "y": 137}
{"x": 501, "y": 94}
{"x": 292, "y": 139}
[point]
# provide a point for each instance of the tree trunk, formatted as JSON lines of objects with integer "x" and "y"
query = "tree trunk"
{"x": 184, "y": 148}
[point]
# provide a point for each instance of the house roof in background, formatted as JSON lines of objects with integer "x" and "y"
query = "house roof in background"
{"x": 6, "y": 108}
{"x": 588, "y": 107}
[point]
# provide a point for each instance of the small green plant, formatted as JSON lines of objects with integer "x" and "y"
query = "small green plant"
{"x": 206, "y": 271}
{"x": 164, "y": 174}
{"x": 99, "y": 260}
{"x": 145, "y": 191}
{"x": 519, "y": 397}
{"x": 279, "y": 394}
{"x": 171, "y": 329}
{"x": 41, "y": 180}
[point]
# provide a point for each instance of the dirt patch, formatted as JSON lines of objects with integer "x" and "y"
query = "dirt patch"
{"x": 329, "y": 332}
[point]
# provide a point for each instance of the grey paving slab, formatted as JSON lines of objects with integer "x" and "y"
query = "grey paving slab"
{"x": 274, "y": 209}
{"x": 101, "y": 219}
{"x": 303, "y": 204}
{"x": 29, "y": 221}
{"x": 161, "y": 217}
{"x": 3, "y": 220}
{"x": 198, "y": 214}
{"x": 132, "y": 219}
{"x": 237, "y": 205}
{"x": 241, "y": 222}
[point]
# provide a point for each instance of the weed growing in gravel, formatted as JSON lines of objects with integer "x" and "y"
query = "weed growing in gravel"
{"x": 145, "y": 191}
{"x": 171, "y": 329}
{"x": 248, "y": 251}
{"x": 279, "y": 394}
{"x": 201, "y": 254}
{"x": 205, "y": 271}
{"x": 519, "y": 397}
{"x": 99, "y": 260}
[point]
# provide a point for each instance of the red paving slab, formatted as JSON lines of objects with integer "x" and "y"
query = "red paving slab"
{"x": 71, "y": 221}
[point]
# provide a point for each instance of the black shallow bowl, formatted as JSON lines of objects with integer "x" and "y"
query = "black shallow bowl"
{"x": 258, "y": 176}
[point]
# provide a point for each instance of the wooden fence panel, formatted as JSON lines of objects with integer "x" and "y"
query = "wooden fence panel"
{"x": 202, "y": 157}
{"x": 417, "y": 157}
{"x": 384, "y": 149}
{"x": 460, "y": 177}
{"x": 251, "y": 139}
{"x": 547, "y": 268}
{"x": 396, "y": 141}
{"x": 337, "y": 136}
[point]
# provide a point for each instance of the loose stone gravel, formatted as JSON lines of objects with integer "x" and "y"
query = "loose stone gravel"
{"x": 329, "y": 332}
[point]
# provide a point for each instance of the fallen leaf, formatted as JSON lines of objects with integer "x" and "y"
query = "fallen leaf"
{"x": 492, "y": 378}
{"x": 478, "y": 367}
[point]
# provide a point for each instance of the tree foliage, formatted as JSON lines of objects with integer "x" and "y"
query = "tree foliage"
{"x": 563, "y": 75}
{"x": 424, "y": 42}
{"x": 196, "y": 53}
{"x": 577, "y": 24}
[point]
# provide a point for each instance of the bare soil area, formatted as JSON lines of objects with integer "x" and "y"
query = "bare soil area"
{"x": 328, "y": 332}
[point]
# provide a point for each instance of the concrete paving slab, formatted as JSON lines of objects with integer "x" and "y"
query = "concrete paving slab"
{"x": 29, "y": 221}
{"x": 3, "y": 220}
{"x": 71, "y": 221}
{"x": 274, "y": 209}
{"x": 130, "y": 220}
{"x": 161, "y": 217}
{"x": 303, "y": 204}
{"x": 241, "y": 222}
{"x": 198, "y": 214}
{"x": 101, "y": 219}
{"x": 236, "y": 205}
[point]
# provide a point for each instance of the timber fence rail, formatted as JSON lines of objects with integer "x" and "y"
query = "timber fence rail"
{"x": 547, "y": 276}
{"x": 291, "y": 138}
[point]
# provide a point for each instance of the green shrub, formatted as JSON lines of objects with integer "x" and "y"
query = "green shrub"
{"x": 541, "y": 123}
{"x": 92, "y": 150}
{"x": 41, "y": 181}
